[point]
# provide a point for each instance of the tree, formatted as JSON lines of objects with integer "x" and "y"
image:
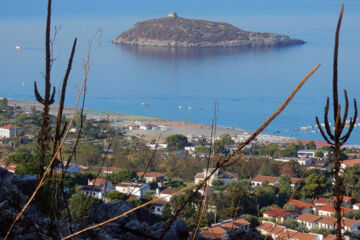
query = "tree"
{"x": 319, "y": 154}
{"x": 176, "y": 142}
{"x": 265, "y": 194}
{"x": 226, "y": 140}
{"x": 78, "y": 207}
{"x": 311, "y": 145}
{"x": 166, "y": 212}
{"x": 122, "y": 175}
{"x": 315, "y": 185}
{"x": 300, "y": 145}
{"x": 290, "y": 223}
{"x": 285, "y": 190}
{"x": 116, "y": 196}
{"x": 89, "y": 154}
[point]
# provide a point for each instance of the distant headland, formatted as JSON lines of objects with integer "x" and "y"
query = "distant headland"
{"x": 175, "y": 31}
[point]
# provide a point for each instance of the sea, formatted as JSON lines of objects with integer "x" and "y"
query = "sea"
{"x": 241, "y": 87}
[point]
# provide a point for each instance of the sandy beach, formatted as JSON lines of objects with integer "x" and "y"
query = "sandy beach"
{"x": 130, "y": 124}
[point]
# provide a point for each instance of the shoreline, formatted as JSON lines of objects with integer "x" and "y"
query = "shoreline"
{"x": 161, "y": 127}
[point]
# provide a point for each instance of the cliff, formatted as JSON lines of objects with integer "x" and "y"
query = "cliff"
{"x": 173, "y": 31}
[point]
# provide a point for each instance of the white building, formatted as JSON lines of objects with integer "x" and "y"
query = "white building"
{"x": 99, "y": 182}
{"x": 308, "y": 220}
{"x": 224, "y": 176}
{"x": 259, "y": 179}
{"x": 133, "y": 188}
{"x": 9, "y": 130}
{"x": 158, "y": 206}
{"x": 166, "y": 194}
{"x": 96, "y": 192}
{"x": 151, "y": 177}
{"x": 306, "y": 153}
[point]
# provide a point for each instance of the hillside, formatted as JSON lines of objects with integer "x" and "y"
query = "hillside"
{"x": 173, "y": 31}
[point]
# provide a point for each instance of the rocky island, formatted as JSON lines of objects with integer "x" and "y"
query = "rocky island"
{"x": 174, "y": 31}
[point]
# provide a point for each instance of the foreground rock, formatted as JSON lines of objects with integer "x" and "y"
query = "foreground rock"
{"x": 173, "y": 31}
{"x": 139, "y": 225}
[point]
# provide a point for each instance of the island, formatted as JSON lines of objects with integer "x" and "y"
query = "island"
{"x": 175, "y": 31}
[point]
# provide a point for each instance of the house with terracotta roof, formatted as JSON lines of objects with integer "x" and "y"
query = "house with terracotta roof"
{"x": 221, "y": 230}
{"x": 279, "y": 214}
{"x": 294, "y": 181}
{"x": 302, "y": 206}
{"x": 329, "y": 210}
{"x": 100, "y": 182}
{"x": 239, "y": 225}
{"x": 158, "y": 207}
{"x": 9, "y": 130}
{"x": 350, "y": 163}
{"x": 214, "y": 233}
{"x": 98, "y": 192}
{"x": 166, "y": 194}
{"x": 351, "y": 225}
{"x": 329, "y": 237}
{"x": 308, "y": 220}
{"x": 356, "y": 206}
{"x": 150, "y": 177}
{"x": 109, "y": 170}
{"x": 135, "y": 189}
{"x": 10, "y": 167}
{"x": 327, "y": 222}
{"x": 321, "y": 202}
{"x": 259, "y": 179}
{"x": 279, "y": 232}
{"x": 224, "y": 176}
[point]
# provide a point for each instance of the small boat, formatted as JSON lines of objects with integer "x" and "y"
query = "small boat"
{"x": 18, "y": 47}
{"x": 180, "y": 107}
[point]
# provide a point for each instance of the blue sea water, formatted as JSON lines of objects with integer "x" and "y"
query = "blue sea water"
{"x": 247, "y": 85}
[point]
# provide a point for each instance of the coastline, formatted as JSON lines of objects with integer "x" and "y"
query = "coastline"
{"x": 161, "y": 127}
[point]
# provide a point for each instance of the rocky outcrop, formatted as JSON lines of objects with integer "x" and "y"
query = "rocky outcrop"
{"x": 139, "y": 225}
{"x": 182, "y": 32}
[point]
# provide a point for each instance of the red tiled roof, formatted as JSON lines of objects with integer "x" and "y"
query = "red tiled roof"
{"x": 241, "y": 221}
{"x": 159, "y": 202}
{"x": 349, "y": 222}
{"x": 294, "y": 180}
{"x": 317, "y": 143}
{"x": 327, "y": 220}
{"x": 10, "y": 126}
{"x": 330, "y": 208}
{"x": 260, "y": 178}
{"x": 304, "y": 236}
{"x": 211, "y": 235}
{"x": 346, "y": 198}
{"x": 308, "y": 218}
{"x": 265, "y": 226}
{"x": 111, "y": 169}
{"x": 169, "y": 191}
{"x": 287, "y": 233}
{"x": 277, "y": 212}
{"x": 300, "y": 204}
{"x": 330, "y": 237}
{"x": 351, "y": 163}
{"x": 229, "y": 225}
{"x": 321, "y": 201}
{"x": 151, "y": 174}
{"x": 98, "y": 181}
{"x": 276, "y": 230}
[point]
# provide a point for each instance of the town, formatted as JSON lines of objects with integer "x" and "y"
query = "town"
{"x": 280, "y": 189}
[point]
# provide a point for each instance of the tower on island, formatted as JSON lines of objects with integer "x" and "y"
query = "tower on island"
{"x": 172, "y": 15}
